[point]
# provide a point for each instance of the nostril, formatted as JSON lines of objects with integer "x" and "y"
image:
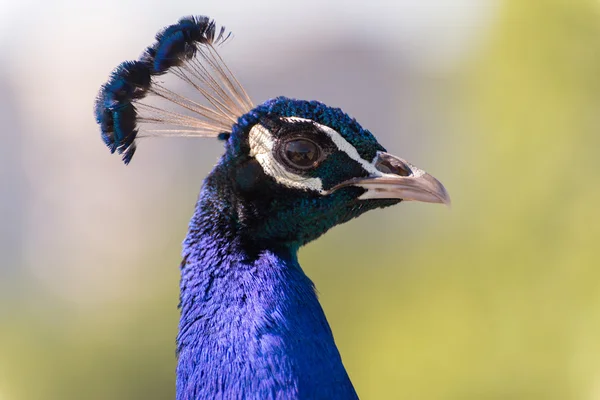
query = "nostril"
{"x": 392, "y": 165}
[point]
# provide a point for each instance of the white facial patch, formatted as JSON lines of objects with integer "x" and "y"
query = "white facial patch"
{"x": 262, "y": 144}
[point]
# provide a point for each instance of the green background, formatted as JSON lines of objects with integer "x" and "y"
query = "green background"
{"x": 495, "y": 298}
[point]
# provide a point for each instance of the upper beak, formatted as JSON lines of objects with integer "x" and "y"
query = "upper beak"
{"x": 399, "y": 179}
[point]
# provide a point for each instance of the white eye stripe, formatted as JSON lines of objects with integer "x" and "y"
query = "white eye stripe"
{"x": 342, "y": 145}
{"x": 262, "y": 143}
{"x": 261, "y": 148}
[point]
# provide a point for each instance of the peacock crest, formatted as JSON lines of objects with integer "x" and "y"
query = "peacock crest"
{"x": 136, "y": 102}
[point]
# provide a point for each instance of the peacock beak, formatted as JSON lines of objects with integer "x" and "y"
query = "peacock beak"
{"x": 399, "y": 179}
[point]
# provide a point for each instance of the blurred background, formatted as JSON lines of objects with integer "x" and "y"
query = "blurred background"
{"x": 496, "y": 298}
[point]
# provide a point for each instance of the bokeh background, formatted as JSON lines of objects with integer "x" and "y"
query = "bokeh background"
{"x": 496, "y": 298}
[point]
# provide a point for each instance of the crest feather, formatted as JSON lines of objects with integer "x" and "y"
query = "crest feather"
{"x": 136, "y": 95}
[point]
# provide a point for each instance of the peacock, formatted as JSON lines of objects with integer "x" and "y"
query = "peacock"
{"x": 251, "y": 326}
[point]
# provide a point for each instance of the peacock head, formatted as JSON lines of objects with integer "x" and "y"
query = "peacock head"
{"x": 292, "y": 169}
{"x": 302, "y": 167}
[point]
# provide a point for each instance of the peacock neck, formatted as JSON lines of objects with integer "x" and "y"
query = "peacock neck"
{"x": 251, "y": 325}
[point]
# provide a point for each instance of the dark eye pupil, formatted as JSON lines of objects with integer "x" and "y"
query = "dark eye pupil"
{"x": 302, "y": 153}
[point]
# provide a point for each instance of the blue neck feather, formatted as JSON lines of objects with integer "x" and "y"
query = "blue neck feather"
{"x": 251, "y": 325}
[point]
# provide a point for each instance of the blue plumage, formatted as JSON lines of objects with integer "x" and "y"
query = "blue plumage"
{"x": 251, "y": 325}
{"x": 180, "y": 41}
{"x": 114, "y": 109}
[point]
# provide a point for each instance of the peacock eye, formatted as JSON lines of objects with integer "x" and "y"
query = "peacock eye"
{"x": 302, "y": 153}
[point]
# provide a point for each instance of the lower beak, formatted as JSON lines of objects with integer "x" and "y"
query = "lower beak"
{"x": 399, "y": 179}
